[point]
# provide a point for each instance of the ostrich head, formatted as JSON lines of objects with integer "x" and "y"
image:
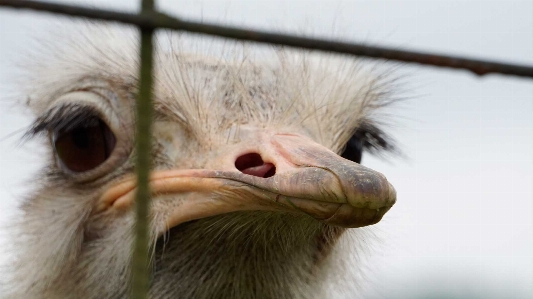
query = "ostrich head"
{"x": 256, "y": 171}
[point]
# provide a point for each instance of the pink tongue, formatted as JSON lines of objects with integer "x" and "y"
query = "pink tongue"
{"x": 253, "y": 164}
{"x": 259, "y": 171}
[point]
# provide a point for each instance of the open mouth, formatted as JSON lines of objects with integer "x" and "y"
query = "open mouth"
{"x": 300, "y": 176}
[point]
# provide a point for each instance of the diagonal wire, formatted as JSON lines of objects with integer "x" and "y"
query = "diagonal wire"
{"x": 153, "y": 19}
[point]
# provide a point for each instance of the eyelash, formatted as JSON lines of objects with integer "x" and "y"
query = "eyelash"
{"x": 62, "y": 118}
{"x": 367, "y": 138}
{"x": 373, "y": 139}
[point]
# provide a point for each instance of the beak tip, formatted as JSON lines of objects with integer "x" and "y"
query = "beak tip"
{"x": 392, "y": 193}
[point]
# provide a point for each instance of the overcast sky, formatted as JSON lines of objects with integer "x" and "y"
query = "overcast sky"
{"x": 463, "y": 220}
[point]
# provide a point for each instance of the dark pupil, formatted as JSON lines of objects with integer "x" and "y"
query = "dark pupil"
{"x": 86, "y": 146}
{"x": 81, "y": 137}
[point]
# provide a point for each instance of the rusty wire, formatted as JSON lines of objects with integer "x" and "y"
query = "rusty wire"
{"x": 154, "y": 20}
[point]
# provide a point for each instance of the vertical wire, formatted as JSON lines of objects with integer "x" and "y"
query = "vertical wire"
{"x": 140, "y": 259}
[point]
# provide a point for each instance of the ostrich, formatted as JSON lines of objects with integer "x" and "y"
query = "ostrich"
{"x": 256, "y": 170}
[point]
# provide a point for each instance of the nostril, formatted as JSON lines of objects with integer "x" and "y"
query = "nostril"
{"x": 253, "y": 164}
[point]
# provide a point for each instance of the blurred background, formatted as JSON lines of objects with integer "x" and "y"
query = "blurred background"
{"x": 463, "y": 223}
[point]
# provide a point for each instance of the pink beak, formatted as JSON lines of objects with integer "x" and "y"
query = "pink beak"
{"x": 300, "y": 176}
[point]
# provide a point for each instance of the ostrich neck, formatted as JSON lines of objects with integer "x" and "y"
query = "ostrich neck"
{"x": 237, "y": 255}
{"x": 241, "y": 255}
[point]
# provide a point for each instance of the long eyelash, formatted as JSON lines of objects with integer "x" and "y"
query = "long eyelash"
{"x": 374, "y": 140}
{"x": 62, "y": 118}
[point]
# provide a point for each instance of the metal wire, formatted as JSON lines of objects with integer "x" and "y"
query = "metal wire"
{"x": 153, "y": 19}
{"x": 140, "y": 260}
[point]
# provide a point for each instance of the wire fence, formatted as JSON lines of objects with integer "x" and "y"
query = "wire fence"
{"x": 148, "y": 20}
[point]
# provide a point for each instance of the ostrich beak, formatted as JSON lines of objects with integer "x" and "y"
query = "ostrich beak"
{"x": 308, "y": 178}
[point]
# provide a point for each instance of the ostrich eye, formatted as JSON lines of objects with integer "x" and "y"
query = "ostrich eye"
{"x": 84, "y": 146}
{"x": 353, "y": 150}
